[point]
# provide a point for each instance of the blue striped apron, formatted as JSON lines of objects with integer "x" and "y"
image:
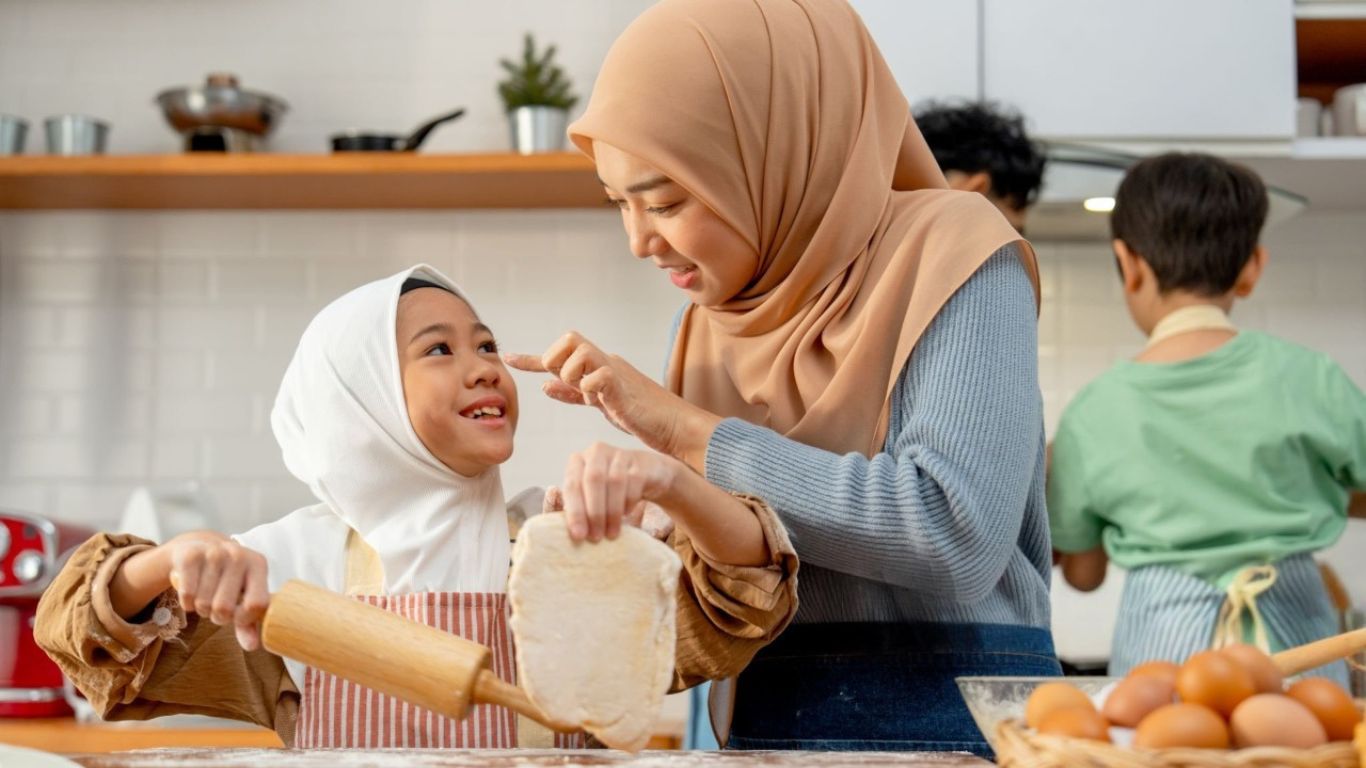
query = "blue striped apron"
{"x": 1168, "y": 614}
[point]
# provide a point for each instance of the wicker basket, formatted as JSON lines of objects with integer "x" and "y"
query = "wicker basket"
{"x": 1017, "y": 747}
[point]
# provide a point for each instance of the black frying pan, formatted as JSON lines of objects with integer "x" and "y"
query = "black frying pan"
{"x": 361, "y": 141}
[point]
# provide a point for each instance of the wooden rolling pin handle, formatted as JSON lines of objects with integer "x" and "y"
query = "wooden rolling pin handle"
{"x": 373, "y": 647}
{"x": 1312, "y": 655}
{"x": 381, "y": 650}
{"x": 490, "y": 689}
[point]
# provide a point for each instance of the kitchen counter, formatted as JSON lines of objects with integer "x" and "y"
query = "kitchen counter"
{"x": 64, "y": 734}
{"x": 511, "y": 758}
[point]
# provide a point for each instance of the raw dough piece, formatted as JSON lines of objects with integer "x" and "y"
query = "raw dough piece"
{"x": 594, "y": 627}
{"x": 19, "y": 757}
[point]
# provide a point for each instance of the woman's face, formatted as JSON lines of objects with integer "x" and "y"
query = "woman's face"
{"x": 461, "y": 401}
{"x": 665, "y": 223}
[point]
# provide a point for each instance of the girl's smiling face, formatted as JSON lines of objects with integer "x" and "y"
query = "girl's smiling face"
{"x": 460, "y": 399}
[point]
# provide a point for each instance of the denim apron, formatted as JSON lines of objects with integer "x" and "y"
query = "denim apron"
{"x": 890, "y": 687}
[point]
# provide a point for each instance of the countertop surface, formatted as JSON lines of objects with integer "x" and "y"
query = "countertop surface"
{"x": 65, "y": 734}
{"x": 507, "y": 758}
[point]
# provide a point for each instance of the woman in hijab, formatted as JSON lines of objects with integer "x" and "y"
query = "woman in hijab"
{"x": 858, "y": 349}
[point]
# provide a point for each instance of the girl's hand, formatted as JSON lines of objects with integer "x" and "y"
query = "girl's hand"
{"x": 606, "y": 486}
{"x": 585, "y": 375}
{"x": 220, "y": 580}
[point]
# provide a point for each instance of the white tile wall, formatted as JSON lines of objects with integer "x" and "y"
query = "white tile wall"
{"x": 105, "y": 387}
{"x": 146, "y": 347}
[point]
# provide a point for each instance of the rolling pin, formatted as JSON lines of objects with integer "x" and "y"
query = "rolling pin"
{"x": 380, "y": 650}
{"x": 1293, "y": 661}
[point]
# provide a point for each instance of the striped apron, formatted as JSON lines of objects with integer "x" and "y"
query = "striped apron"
{"x": 337, "y": 713}
{"x": 1169, "y": 614}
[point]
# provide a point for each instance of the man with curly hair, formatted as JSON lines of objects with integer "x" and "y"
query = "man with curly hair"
{"x": 983, "y": 147}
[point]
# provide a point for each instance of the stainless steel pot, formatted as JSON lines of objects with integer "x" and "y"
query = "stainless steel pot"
{"x": 76, "y": 135}
{"x": 221, "y": 109}
{"x": 13, "y": 130}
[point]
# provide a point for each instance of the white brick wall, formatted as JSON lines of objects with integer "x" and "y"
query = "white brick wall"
{"x": 105, "y": 388}
{"x": 173, "y": 378}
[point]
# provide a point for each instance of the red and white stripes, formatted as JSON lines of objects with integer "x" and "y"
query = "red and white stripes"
{"x": 338, "y": 713}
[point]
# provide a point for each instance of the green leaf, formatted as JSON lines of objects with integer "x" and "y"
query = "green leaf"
{"x": 536, "y": 80}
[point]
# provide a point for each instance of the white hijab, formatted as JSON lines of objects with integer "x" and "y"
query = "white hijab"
{"x": 342, "y": 424}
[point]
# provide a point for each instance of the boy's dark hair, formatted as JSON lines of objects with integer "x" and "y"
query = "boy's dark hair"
{"x": 1194, "y": 218}
{"x": 981, "y": 136}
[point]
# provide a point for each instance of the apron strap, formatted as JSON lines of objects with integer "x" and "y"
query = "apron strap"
{"x": 365, "y": 576}
{"x": 364, "y": 570}
{"x": 1200, "y": 317}
{"x": 1243, "y": 591}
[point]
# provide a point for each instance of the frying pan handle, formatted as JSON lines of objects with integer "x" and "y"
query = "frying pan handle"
{"x": 420, "y": 135}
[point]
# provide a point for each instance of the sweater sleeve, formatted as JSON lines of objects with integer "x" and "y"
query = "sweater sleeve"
{"x": 162, "y": 663}
{"x": 940, "y": 509}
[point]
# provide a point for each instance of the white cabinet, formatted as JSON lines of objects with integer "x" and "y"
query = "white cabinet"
{"x": 931, "y": 45}
{"x": 1157, "y": 69}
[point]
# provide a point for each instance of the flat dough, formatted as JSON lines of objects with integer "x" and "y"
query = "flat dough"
{"x": 595, "y": 627}
{"x": 19, "y": 757}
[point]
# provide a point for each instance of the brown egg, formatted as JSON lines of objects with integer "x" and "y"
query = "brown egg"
{"x": 1051, "y": 697}
{"x": 1215, "y": 680}
{"x": 1078, "y": 723}
{"x": 1164, "y": 669}
{"x": 1135, "y": 697}
{"x": 1275, "y": 720}
{"x": 1330, "y": 704}
{"x": 1182, "y": 725}
{"x": 1266, "y": 678}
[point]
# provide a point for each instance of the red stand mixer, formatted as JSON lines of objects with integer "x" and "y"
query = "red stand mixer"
{"x": 32, "y": 550}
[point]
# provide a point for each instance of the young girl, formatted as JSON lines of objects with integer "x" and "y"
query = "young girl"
{"x": 396, "y": 411}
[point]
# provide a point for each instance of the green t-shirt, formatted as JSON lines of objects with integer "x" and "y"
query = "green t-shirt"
{"x": 1241, "y": 456}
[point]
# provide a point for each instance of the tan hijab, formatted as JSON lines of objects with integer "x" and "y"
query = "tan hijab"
{"x": 783, "y": 118}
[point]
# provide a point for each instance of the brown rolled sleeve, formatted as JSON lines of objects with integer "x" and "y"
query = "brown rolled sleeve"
{"x": 163, "y": 662}
{"x": 726, "y": 613}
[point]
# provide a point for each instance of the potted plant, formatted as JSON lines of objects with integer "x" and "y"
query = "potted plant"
{"x": 538, "y": 98}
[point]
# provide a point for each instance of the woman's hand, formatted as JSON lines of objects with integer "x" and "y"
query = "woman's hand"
{"x": 606, "y": 486}
{"x": 647, "y": 516}
{"x": 585, "y": 375}
{"x": 216, "y": 577}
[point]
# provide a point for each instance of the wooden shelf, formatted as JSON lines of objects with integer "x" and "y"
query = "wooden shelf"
{"x": 264, "y": 181}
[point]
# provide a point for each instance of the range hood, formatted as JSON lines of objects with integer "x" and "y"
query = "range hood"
{"x": 1079, "y": 185}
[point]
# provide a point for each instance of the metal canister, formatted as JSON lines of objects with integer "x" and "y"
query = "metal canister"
{"x": 13, "y": 130}
{"x": 76, "y": 135}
